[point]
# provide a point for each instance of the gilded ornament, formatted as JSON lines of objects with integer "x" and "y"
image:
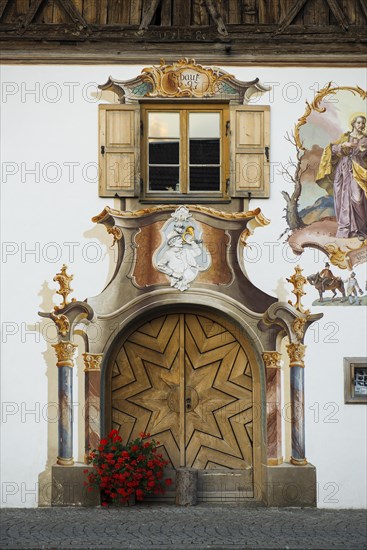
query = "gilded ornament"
{"x": 62, "y": 323}
{"x": 272, "y": 359}
{"x": 298, "y": 326}
{"x": 92, "y": 361}
{"x": 298, "y": 281}
{"x": 345, "y": 255}
{"x": 296, "y": 354}
{"x": 315, "y": 106}
{"x": 64, "y": 281}
{"x": 65, "y": 352}
{"x": 115, "y": 232}
{"x": 184, "y": 78}
{"x": 194, "y": 208}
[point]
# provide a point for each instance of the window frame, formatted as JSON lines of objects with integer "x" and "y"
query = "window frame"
{"x": 184, "y": 109}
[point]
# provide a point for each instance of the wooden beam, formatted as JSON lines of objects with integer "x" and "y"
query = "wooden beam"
{"x": 292, "y": 14}
{"x": 221, "y": 28}
{"x": 338, "y": 14}
{"x": 149, "y": 14}
{"x": 3, "y": 4}
{"x": 75, "y": 15}
{"x": 363, "y": 5}
{"x": 28, "y": 18}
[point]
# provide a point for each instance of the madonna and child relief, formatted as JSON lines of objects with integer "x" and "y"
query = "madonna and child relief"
{"x": 182, "y": 255}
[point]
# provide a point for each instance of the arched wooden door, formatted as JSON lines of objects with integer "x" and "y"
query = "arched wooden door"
{"x": 185, "y": 378}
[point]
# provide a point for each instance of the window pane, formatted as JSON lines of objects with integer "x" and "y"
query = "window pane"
{"x": 164, "y": 152}
{"x": 204, "y": 125}
{"x": 204, "y": 178}
{"x": 204, "y": 151}
{"x": 164, "y": 178}
{"x": 164, "y": 125}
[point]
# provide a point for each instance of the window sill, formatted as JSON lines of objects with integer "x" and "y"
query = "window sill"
{"x": 184, "y": 199}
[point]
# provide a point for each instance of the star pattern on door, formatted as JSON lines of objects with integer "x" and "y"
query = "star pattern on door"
{"x": 186, "y": 380}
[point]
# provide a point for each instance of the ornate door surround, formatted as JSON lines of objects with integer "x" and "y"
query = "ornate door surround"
{"x": 188, "y": 378}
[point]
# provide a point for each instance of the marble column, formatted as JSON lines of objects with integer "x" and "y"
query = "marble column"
{"x": 92, "y": 414}
{"x": 273, "y": 407}
{"x": 296, "y": 352}
{"x": 65, "y": 351}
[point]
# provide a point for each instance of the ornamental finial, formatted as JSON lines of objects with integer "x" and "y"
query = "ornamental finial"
{"x": 298, "y": 281}
{"x": 64, "y": 281}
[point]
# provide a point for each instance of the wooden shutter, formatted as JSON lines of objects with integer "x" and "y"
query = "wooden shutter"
{"x": 250, "y": 149}
{"x": 119, "y": 158}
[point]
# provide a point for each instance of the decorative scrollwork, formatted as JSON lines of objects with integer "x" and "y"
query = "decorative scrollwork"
{"x": 298, "y": 281}
{"x": 193, "y": 208}
{"x": 64, "y": 281}
{"x": 315, "y": 106}
{"x": 62, "y": 323}
{"x": 298, "y": 326}
{"x": 346, "y": 256}
{"x": 185, "y": 78}
{"x": 115, "y": 232}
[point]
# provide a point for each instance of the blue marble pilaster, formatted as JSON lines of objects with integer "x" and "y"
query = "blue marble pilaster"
{"x": 296, "y": 353}
{"x": 297, "y": 414}
{"x": 65, "y": 353}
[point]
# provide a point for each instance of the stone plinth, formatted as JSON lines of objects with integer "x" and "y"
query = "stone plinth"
{"x": 68, "y": 487}
{"x": 289, "y": 485}
{"x": 186, "y": 486}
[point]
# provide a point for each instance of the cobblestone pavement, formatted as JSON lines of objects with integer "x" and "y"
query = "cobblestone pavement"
{"x": 170, "y": 527}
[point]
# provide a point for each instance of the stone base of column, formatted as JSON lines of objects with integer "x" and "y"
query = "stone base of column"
{"x": 68, "y": 487}
{"x": 298, "y": 461}
{"x": 65, "y": 461}
{"x": 289, "y": 485}
{"x": 275, "y": 461}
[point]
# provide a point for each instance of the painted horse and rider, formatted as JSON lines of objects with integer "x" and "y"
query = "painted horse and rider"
{"x": 326, "y": 280}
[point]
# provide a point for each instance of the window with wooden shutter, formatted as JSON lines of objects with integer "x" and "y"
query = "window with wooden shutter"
{"x": 119, "y": 156}
{"x": 250, "y": 145}
{"x": 185, "y": 151}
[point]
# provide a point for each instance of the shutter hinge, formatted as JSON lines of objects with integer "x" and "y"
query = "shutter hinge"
{"x": 141, "y": 128}
{"x": 228, "y": 126}
{"x": 102, "y": 149}
{"x": 267, "y": 153}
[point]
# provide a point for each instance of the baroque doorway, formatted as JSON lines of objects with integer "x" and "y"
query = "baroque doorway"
{"x": 186, "y": 379}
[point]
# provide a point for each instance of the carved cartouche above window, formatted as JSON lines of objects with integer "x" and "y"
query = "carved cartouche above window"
{"x": 184, "y": 79}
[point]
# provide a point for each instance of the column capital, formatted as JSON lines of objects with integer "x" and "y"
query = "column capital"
{"x": 296, "y": 354}
{"x": 272, "y": 359}
{"x": 92, "y": 361}
{"x": 65, "y": 351}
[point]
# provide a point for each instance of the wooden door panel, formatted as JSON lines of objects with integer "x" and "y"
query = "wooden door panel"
{"x": 187, "y": 381}
{"x": 214, "y": 435}
{"x": 149, "y": 394}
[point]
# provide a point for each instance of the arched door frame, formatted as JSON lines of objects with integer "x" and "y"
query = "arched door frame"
{"x": 234, "y": 319}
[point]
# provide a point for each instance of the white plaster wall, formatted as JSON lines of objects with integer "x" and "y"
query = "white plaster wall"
{"x": 46, "y": 223}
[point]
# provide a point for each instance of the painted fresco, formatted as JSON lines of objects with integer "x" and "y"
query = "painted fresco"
{"x": 327, "y": 209}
